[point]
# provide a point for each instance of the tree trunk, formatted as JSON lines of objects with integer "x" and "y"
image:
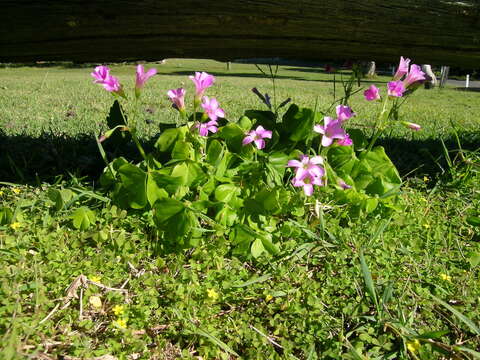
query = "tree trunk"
{"x": 444, "y": 75}
{"x": 427, "y": 31}
{"x": 371, "y": 69}
{"x": 431, "y": 79}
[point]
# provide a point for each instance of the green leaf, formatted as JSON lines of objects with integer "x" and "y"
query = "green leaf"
{"x": 166, "y": 208}
{"x": 254, "y": 280}
{"x": 298, "y": 123}
{"x": 82, "y": 218}
{"x": 245, "y": 123}
{"x": 60, "y": 197}
{"x": 214, "y": 152}
{"x": 226, "y": 192}
{"x": 257, "y": 248}
{"x": 182, "y": 150}
{"x": 134, "y": 185}
{"x": 233, "y": 136}
{"x": 474, "y": 259}
{"x": 473, "y": 327}
{"x": 154, "y": 189}
{"x": 166, "y": 140}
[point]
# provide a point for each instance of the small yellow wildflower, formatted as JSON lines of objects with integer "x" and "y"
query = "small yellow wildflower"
{"x": 268, "y": 298}
{"x": 95, "y": 301}
{"x": 1, "y": 192}
{"x": 121, "y": 323}
{"x": 426, "y": 179}
{"x": 426, "y": 226}
{"x": 16, "y": 191}
{"x": 118, "y": 310}
{"x": 413, "y": 346}
{"x": 16, "y": 225}
{"x": 95, "y": 278}
{"x": 445, "y": 277}
{"x": 212, "y": 294}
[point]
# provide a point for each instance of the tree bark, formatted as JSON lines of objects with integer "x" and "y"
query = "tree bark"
{"x": 428, "y": 31}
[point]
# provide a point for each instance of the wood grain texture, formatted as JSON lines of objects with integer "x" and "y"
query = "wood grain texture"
{"x": 429, "y": 31}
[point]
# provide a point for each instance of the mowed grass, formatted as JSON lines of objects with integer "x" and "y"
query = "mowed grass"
{"x": 313, "y": 301}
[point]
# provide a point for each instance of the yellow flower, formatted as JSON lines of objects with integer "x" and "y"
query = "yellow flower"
{"x": 268, "y": 298}
{"x": 95, "y": 301}
{"x": 121, "y": 323}
{"x": 16, "y": 225}
{"x": 445, "y": 277}
{"x": 118, "y": 310}
{"x": 413, "y": 346}
{"x": 16, "y": 191}
{"x": 426, "y": 226}
{"x": 212, "y": 294}
{"x": 1, "y": 192}
{"x": 426, "y": 179}
{"x": 95, "y": 278}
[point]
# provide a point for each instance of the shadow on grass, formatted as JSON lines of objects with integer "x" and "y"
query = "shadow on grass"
{"x": 31, "y": 160}
{"x": 469, "y": 89}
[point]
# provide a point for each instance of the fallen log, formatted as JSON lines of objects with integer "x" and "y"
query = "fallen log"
{"x": 437, "y": 32}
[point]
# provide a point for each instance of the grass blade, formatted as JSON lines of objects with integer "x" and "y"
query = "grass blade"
{"x": 367, "y": 277}
{"x": 471, "y": 325}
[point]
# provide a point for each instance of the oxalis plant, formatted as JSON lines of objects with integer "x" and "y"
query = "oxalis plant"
{"x": 256, "y": 180}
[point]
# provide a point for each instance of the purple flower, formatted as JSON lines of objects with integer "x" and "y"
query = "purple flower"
{"x": 346, "y": 141}
{"x": 257, "y": 137}
{"x": 412, "y": 126}
{"x": 202, "y": 81}
{"x": 372, "y": 93}
{"x": 396, "y": 88}
{"x": 332, "y": 129}
{"x": 143, "y": 76}
{"x": 402, "y": 68}
{"x": 205, "y": 128}
{"x": 100, "y": 73}
{"x": 307, "y": 166}
{"x": 344, "y": 185}
{"x": 211, "y": 108}
{"x": 307, "y": 183}
{"x": 344, "y": 113}
{"x": 415, "y": 74}
{"x": 177, "y": 96}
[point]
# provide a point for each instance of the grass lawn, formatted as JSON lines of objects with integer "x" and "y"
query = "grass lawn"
{"x": 397, "y": 287}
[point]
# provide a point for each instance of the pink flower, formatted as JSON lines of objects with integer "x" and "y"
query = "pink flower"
{"x": 211, "y": 108}
{"x": 257, "y": 137}
{"x": 112, "y": 84}
{"x": 177, "y": 96}
{"x": 413, "y": 126}
{"x": 402, "y": 68}
{"x": 143, "y": 76}
{"x": 100, "y": 74}
{"x": 307, "y": 166}
{"x": 346, "y": 141}
{"x": 307, "y": 183}
{"x": 396, "y": 88}
{"x": 202, "y": 81}
{"x": 372, "y": 93}
{"x": 415, "y": 74}
{"x": 332, "y": 129}
{"x": 344, "y": 113}
{"x": 205, "y": 128}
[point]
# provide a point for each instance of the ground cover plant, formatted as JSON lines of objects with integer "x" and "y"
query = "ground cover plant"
{"x": 165, "y": 252}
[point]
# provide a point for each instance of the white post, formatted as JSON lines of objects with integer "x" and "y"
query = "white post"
{"x": 467, "y": 81}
